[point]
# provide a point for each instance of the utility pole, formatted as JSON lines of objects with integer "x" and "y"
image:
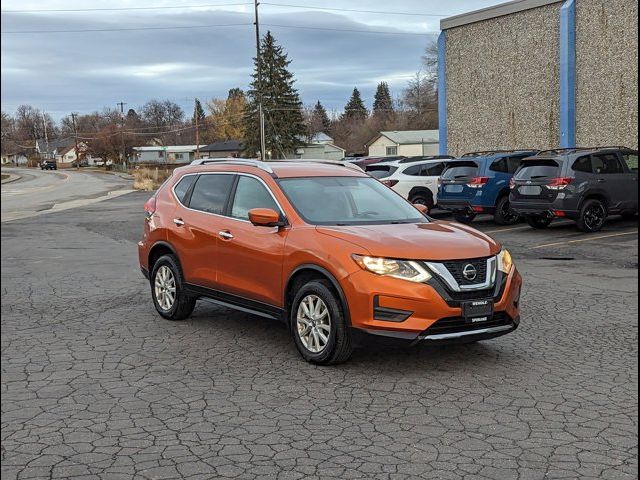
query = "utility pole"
{"x": 46, "y": 137}
{"x": 263, "y": 142}
{"x": 196, "y": 114}
{"x": 122, "y": 152}
{"x": 75, "y": 137}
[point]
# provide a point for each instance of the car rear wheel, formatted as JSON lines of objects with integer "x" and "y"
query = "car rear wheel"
{"x": 538, "y": 221}
{"x": 168, "y": 291}
{"x": 592, "y": 216}
{"x": 464, "y": 217}
{"x": 422, "y": 199}
{"x": 504, "y": 214}
{"x": 318, "y": 324}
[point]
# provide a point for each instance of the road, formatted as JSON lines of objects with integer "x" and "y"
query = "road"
{"x": 96, "y": 385}
{"x": 40, "y": 191}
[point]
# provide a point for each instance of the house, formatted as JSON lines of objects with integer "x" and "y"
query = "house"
{"x": 229, "y": 148}
{"x": 165, "y": 154}
{"x": 63, "y": 150}
{"x": 408, "y": 143}
{"x": 14, "y": 159}
{"x": 320, "y": 147}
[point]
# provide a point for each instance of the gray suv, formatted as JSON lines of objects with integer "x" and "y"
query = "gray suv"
{"x": 582, "y": 184}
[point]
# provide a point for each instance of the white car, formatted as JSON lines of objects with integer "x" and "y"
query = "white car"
{"x": 416, "y": 179}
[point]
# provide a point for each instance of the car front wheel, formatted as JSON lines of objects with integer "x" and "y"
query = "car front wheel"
{"x": 319, "y": 326}
{"x": 168, "y": 291}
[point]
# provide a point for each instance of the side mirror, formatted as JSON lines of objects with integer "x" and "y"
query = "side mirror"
{"x": 265, "y": 217}
{"x": 423, "y": 209}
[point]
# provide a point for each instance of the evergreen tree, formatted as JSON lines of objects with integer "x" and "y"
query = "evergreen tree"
{"x": 355, "y": 109}
{"x": 284, "y": 122}
{"x": 198, "y": 113}
{"x": 320, "y": 121}
{"x": 382, "y": 103}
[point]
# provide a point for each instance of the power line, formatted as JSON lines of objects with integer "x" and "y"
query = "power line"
{"x": 307, "y": 7}
{"x": 128, "y": 29}
{"x": 350, "y": 30}
{"x": 117, "y": 9}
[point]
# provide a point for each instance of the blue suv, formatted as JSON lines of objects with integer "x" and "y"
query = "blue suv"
{"x": 479, "y": 183}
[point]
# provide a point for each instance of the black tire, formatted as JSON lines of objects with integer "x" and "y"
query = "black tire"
{"x": 183, "y": 304}
{"x": 338, "y": 347}
{"x": 592, "y": 216}
{"x": 422, "y": 199}
{"x": 504, "y": 215}
{"x": 538, "y": 221}
{"x": 464, "y": 217}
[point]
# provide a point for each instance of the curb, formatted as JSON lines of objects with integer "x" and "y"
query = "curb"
{"x": 12, "y": 178}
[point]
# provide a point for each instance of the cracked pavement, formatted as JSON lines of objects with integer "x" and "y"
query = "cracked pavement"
{"x": 96, "y": 385}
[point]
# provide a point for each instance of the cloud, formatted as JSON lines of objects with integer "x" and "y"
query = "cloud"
{"x": 64, "y": 72}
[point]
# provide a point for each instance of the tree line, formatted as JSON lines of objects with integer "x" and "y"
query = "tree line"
{"x": 289, "y": 124}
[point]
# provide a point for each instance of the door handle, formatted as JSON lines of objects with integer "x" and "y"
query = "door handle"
{"x": 602, "y": 180}
{"x": 226, "y": 235}
{"x": 178, "y": 221}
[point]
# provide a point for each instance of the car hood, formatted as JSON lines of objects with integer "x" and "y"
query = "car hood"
{"x": 423, "y": 241}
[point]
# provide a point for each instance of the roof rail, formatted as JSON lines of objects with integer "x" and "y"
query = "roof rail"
{"x": 349, "y": 165}
{"x": 559, "y": 151}
{"x": 235, "y": 161}
{"x": 489, "y": 153}
{"x": 426, "y": 158}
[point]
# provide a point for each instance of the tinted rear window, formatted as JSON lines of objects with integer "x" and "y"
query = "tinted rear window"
{"x": 211, "y": 192}
{"x": 381, "y": 171}
{"x": 534, "y": 169}
{"x": 461, "y": 170}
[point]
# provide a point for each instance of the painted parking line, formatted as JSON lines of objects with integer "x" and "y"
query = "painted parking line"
{"x": 526, "y": 227}
{"x": 558, "y": 244}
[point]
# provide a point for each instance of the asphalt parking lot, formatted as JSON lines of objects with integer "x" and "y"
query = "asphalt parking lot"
{"x": 96, "y": 385}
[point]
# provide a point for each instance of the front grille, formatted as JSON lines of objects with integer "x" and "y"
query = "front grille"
{"x": 456, "y": 269}
{"x": 460, "y": 324}
{"x": 472, "y": 295}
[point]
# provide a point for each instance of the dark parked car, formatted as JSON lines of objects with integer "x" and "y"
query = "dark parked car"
{"x": 479, "y": 183}
{"x": 582, "y": 184}
{"x": 49, "y": 165}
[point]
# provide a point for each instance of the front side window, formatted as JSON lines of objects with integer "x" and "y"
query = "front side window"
{"x": 183, "y": 186}
{"x": 392, "y": 151}
{"x": 631, "y": 159}
{"x": 251, "y": 193}
{"x": 348, "y": 201}
{"x": 607, "y": 164}
{"x": 210, "y": 193}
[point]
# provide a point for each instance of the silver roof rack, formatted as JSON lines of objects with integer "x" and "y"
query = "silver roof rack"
{"x": 267, "y": 168}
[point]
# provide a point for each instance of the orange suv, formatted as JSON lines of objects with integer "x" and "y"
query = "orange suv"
{"x": 332, "y": 252}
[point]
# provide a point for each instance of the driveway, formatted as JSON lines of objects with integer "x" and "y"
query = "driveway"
{"x": 96, "y": 385}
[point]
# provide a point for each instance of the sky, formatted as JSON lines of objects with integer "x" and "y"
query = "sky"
{"x": 331, "y": 51}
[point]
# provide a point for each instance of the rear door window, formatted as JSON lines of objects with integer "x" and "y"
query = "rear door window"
{"x": 499, "y": 165}
{"x": 583, "y": 164}
{"x": 607, "y": 164}
{"x": 414, "y": 170}
{"x": 631, "y": 159}
{"x": 432, "y": 169}
{"x": 513, "y": 164}
{"x": 538, "y": 170}
{"x": 460, "y": 170}
{"x": 211, "y": 192}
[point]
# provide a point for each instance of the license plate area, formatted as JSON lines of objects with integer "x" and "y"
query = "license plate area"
{"x": 530, "y": 190}
{"x": 454, "y": 188}
{"x": 477, "y": 311}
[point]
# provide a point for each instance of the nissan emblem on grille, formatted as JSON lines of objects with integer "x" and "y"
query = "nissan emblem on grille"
{"x": 470, "y": 272}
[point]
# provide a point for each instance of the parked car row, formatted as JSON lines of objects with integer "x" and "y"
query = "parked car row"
{"x": 582, "y": 184}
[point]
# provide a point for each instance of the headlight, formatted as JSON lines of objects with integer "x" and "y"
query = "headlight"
{"x": 505, "y": 262}
{"x": 403, "y": 269}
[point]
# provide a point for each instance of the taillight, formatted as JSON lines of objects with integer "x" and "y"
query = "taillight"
{"x": 150, "y": 207}
{"x": 478, "y": 182}
{"x": 390, "y": 183}
{"x": 559, "y": 183}
{"x": 512, "y": 183}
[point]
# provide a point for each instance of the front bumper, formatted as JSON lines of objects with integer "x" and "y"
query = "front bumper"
{"x": 393, "y": 310}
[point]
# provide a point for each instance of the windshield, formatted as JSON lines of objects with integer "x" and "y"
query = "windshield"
{"x": 536, "y": 169}
{"x": 348, "y": 201}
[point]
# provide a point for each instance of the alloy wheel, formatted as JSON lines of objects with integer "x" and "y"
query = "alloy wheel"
{"x": 313, "y": 323}
{"x": 165, "y": 288}
{"x": 594, "y": 216}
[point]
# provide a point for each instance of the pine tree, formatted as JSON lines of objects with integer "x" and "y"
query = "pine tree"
{"x": 320, "y": 121}
{"x": 284, "y": 122}
{"x": 382, "y": 103}
{"x": 355, "y": 109}
{"x": 198, "y": 113}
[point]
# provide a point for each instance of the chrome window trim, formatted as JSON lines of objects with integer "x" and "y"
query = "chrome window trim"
{"x": 489, "y": 281}
{"x": 282, "y": 212}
